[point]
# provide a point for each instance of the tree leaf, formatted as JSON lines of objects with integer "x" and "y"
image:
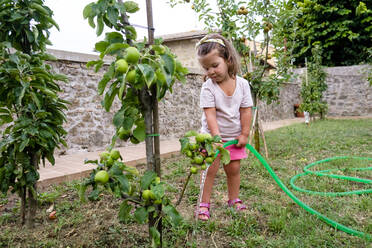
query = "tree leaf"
{"x": 217, "y": 138}
{"x": 184, "y": 143}
{"x": 141, "y": 215}
{"x": 100, "y": 26}
{"x": 148, "y": 74}
{"x": 130, "y": 32}
{"x": 102, "y": 84}
{"x": 23, "y": 144}
{"x": 209, "y": 147}
{"x": 123, "y": 180}
{"x": 109, "y": 98}
{"x": 88, "y": 11}
{"x": 131, "y": 6}
{"x": 112, "y": 15}
{"x": 118, "y": 119}
{"x": 124, "y": 211}
{"x": 147, "y": 179}
{"x": 131, "y": 170}
{"x": 225, "y": 155}
{"x": 172, "y": 214}
{"x": 114, "y": 47}
{"x": 94, "y": 195}
{"x": 128, "y": 122}
{"x": 101, "y": 46}
{"x": 159, "y": 191}
{"x": 155, "y": 237}
{"x": 169, "y": 64}
{"x": 35, "y": 99}
{"x": 114, "y": 37}
{"x": 91, "y": 22}
{"x": 191, "y": 133}
{"x": 140, "y": 133}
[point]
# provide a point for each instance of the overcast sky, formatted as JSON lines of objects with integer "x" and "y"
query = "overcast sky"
{"x": 76, "y": 35}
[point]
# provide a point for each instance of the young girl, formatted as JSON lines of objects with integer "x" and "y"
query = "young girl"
{"x": 226, "y": 101}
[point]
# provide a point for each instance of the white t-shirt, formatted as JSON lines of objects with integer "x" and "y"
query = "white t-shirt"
{"x": 227, "y": 107}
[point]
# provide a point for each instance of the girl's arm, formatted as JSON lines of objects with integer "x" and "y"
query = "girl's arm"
{"x": 245, "y": 121}
{"x": 210, "y": 114}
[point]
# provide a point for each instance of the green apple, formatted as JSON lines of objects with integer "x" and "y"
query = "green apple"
{"x": 132, "y": 55}
{"x": 121, "y": 66}
{"x": 101, "y": 177}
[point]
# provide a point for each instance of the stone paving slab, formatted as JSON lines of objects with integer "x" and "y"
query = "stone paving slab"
{"x": 71, "y": 167}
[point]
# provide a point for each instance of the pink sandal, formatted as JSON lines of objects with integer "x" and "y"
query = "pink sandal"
{"x": 240, "y": 207}
{"x": 204, "y": 212}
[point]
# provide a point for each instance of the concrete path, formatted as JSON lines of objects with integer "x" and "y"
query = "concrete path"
{"x": 71, "y": 167}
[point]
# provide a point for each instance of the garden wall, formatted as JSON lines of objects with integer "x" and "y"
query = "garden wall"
{"x": 89, "y": 126}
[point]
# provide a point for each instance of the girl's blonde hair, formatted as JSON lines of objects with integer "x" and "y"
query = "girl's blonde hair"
{"x": 226, "y": 51}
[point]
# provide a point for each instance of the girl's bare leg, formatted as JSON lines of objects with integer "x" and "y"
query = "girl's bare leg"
{"x": 232, "y": 171}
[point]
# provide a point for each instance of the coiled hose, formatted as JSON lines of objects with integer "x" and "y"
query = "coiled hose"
{"x": 319, "y": 173}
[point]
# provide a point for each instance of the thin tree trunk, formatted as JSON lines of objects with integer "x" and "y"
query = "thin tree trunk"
{"x": 23, "y": 205}
{"x": 32, "y": 197}
{"x": 157, "y": 167}
{"x": 146, "y": 104}
{"x": 155, "y": 115}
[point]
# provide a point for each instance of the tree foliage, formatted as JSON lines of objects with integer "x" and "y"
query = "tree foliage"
{"x": 343, "y": 28}
{"x": 31, "y": 111}
{"x": 313, "y": 85}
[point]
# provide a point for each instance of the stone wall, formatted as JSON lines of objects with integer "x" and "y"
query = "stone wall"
{"x": 90, "y": 127}
{"x": 348, "y": 93}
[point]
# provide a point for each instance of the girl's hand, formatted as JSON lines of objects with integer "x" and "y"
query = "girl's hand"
{"x": 242, "y": 140}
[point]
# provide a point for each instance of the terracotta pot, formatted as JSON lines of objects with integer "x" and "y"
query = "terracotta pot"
{"x": 297, "y": 113}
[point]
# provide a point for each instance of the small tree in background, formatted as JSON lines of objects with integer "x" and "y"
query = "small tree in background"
{"x": 314, "y": 85}
{"x": 30, "y": 110}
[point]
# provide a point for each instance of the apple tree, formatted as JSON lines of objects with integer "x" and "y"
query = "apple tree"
{"x": 201, "y": 149}
{"x": 139, "y": 75}
{"x": 31, "y": 112}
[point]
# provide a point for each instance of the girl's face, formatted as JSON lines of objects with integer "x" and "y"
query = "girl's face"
{"x": 214, "y": 66}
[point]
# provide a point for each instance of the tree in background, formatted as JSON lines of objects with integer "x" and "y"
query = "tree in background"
{"x": 343, "y": 28}
{"x": 30, "y": 109}
{"x": 313, "y": 86}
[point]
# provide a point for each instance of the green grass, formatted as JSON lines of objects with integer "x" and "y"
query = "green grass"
{"x": 272, "y": 220}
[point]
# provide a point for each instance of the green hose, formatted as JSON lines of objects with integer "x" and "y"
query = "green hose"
{"x": 323, "y": 173}
{"x": 298, "y": 201}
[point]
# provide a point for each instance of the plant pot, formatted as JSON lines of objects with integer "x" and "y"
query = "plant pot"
{"x": 297, "y": 113}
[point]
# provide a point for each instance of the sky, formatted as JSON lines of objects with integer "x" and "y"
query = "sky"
{"x": 77, "y": 36}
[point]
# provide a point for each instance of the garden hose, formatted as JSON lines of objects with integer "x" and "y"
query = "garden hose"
{"x": 324, "y": 173}
{"x": 302, "y": 204}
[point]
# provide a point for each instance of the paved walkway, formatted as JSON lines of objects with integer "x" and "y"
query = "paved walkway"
{"x": 70, "y": 167}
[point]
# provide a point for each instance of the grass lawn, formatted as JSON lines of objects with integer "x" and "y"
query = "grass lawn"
{"x": 272, "y": 218}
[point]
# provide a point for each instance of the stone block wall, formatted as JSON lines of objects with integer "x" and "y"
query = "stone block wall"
{"x": 348, "y": 93}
